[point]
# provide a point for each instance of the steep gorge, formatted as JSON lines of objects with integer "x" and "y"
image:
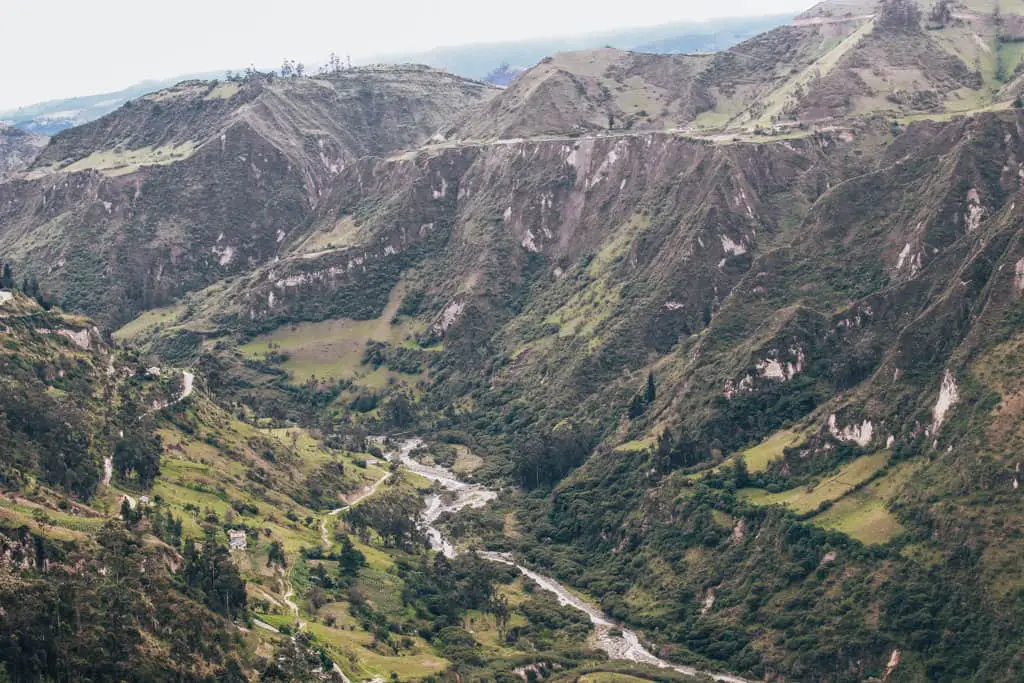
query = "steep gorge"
{"x": 756, "y": 392}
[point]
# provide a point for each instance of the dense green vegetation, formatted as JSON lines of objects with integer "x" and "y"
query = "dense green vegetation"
{"x": 527, "y": 626}
{"x": 757, "y": 396}
{"x": 84, "y": 613}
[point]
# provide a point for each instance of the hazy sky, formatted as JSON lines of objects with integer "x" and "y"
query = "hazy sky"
{"x": 60, "y": 48}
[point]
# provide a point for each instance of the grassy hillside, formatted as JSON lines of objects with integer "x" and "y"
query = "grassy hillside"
{"x": 557, "y": 292}
{"x": 745, "y": 366}
{"x": 149, "y": 534}
{"x": 837, "y": 61}
{"x": 765, "y": 287}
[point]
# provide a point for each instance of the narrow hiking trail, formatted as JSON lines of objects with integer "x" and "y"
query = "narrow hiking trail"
{"x": 286, "y": 583}
{"x": 616, "y": 641}
{"x": 188, "y": 384}
{"x": 264, "y": 625}
{"x": 367, "y": 492}
{"x": 289, "y": 591}
{"x": 822, "y": 21}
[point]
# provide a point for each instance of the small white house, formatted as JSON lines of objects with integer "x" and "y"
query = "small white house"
{"x": 237, "y": 539}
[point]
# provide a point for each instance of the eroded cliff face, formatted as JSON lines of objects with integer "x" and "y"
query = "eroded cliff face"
{"x": 737, "y": 269}
{"x": 864, "y": 292}
{"x": 185, "y": 187}
{"x": 562, "y": 200}
{"x": 833, "y": 268}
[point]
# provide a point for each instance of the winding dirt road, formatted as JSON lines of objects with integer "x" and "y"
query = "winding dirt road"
{"x": 188, "y": 384}
{"x": 367, "y": 492}
{"x": 187, "y": 389}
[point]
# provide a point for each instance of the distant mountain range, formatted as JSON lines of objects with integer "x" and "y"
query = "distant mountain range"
{"x": 478, "y": 61}
{"x": 497, "y": 62}
{"x": 739, "y": 336}
{"x": 53, "y": 116}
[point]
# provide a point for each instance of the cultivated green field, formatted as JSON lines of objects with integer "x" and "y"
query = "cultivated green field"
{"x": 808, "y": 498}
{"x": 148, "y": 321}
{"x": 758, "y": 457}
{"x": 861, "y": 514}
{"x": 864, "y": 514}
{"x": 334, "y": 348}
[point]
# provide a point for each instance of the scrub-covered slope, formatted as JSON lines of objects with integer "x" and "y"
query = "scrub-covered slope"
{"x": 745, "y": 366}
{"x": 18, "y": 149}
{"x": 186, "y": 186}
{"x": 849, "y": 295}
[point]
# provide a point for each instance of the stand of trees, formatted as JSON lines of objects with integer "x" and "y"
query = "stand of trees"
{"x": 212, "y": 577}
{"x": 112, "y": 613}
{"x": 137, "y": 456}
{"x": 291, "y": 69}
{"x": 29, "y": 286}
{"x": 674, "y": 453}
{"x": 442, "y": 591}
{"x": 638, "y": 406}
{"x": 941, "y": 13}
{"x": 39, "y": 432}
{"x": 544, "y": 460}
{"x": 899, "y": 15}
{"x": 392, "y": 514}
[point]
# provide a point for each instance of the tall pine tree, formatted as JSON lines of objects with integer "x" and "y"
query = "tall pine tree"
{"x": 637, "y": 407}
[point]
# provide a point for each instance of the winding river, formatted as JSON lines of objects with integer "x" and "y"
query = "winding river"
{"x": 458, "y": 495}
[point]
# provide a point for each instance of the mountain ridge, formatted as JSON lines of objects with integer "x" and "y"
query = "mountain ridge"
{"x": 149, "y": 161}
{"x": 747, "y": 375}
{"x": 470, "y": 61}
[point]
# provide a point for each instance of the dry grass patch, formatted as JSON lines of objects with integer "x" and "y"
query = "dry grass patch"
{"x": 334, "y": 348}
{"x": 466, "y": 461}
{"x": 116, "y": 162}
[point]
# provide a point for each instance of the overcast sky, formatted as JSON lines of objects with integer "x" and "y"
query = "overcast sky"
{"x": 60, "y": 48}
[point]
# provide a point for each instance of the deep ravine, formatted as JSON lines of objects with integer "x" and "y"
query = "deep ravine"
{"x": 460, "y": 495}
